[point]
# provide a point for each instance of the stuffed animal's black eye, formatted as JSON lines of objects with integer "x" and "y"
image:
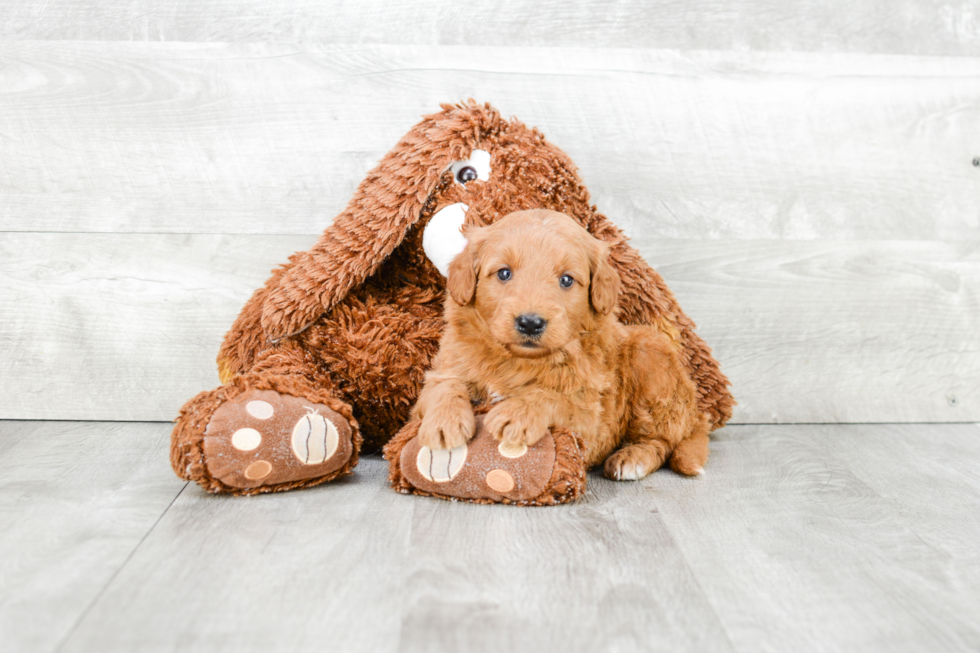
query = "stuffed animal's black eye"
{"x": 566, "y": 281}
{"x": 504, "y": 274}
{"x": 465, "y": 174}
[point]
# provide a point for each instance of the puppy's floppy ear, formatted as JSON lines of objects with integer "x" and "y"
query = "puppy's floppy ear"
{"x": 462, "y": 270}
{"x": 604, "y": 285}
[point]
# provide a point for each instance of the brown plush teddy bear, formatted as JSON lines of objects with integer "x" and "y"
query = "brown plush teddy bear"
{"x": 328, "y": 357}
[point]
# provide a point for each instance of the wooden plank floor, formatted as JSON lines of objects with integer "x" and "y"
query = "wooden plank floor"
{"x": 798, "y": 537}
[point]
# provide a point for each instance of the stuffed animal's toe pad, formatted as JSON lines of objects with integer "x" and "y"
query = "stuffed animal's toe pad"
{"x": 488, "y": 471}
{"x": 264, "y": 438}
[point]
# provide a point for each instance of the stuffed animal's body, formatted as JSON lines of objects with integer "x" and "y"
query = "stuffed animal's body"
{"x": 331, "y": 353}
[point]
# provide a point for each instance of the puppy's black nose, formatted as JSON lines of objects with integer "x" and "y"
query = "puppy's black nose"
{"x": 530, "y": 324}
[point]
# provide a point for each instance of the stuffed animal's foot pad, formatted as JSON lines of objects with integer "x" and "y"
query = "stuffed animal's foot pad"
{"x": 486, "y": 470}
{"x": 262, "y": 437}
{"x": 481, "y": 469}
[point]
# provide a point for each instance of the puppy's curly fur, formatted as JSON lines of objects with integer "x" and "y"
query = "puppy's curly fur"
{"x": 532, "y": 327}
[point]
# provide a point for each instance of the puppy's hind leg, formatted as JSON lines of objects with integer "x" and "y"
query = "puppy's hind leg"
{"x": 663, "y": 417}
{"x": 691, "y": 454}
{"x": 634, "y": 461}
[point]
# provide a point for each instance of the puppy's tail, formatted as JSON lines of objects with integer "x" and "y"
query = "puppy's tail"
{"x": 690, "y": 454}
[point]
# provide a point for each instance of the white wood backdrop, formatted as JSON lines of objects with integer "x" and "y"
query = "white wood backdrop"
{"x": 929, "y": 27}
{"x": 802, "y": 177}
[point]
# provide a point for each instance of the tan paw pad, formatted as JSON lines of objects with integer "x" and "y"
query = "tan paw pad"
{"x": 508, "y": 450}
{"x": 500, "y": 481}
{"x": 260, "y": 409}
{"x": 258, "y": 469}
{"x": 246, "y": 439}
{"x": 440, "y": 465}
{"x": 314, "y": 439}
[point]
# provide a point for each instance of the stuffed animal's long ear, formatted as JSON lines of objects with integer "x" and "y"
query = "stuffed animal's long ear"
{"x": 348, "y": 252}
{"x": 604, "y": 285}
{"x": 386, "y": 205}
{"x": 463, "y": 269}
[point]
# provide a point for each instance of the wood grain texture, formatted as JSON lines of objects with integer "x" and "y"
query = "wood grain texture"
{"x": 585, "y": 578}
{"x": 798, "y": 537}
{"x": 309, "y": 570}
{"x": 355, "y": 566}
{"x": 126, "y": 326}
{"x": 76, "y": 499}
{"x": 835, "y": 538}
{"x": 944, "y": 509}
{"x": 105, "y": 325}
{"x": 273, "y": 138}
{"x": 829, "y": 331}
{"x": 904, "y": 26}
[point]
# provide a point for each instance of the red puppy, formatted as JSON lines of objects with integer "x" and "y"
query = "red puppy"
{"x": 532, "y": 327}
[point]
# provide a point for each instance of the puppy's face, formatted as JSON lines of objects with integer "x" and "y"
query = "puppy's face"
{"x": 536, "y": 280}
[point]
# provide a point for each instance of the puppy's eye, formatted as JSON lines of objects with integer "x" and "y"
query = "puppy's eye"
{"x": 504, "y": 274}
{"x": 566, "y": 281}
{"x": 465, "y": 174}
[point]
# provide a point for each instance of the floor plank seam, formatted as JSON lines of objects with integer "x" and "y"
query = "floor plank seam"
{"x": 115, "y": 574}
{"x": 694, "y": 576}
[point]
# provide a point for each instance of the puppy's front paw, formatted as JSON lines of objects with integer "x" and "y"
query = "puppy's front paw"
{"x": 447, "y": 427}
{"x": 516, "y": 423}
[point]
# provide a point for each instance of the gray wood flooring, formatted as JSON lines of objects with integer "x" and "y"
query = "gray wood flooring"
{"x": 797, "y": 538}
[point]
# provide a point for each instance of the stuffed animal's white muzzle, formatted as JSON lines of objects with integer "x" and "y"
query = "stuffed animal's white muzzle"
{"x": 442, "y": 239}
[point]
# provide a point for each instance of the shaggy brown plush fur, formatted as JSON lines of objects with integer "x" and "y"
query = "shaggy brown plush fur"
{"x": 362, "y": 309}
{"x": 531, "y": 324}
